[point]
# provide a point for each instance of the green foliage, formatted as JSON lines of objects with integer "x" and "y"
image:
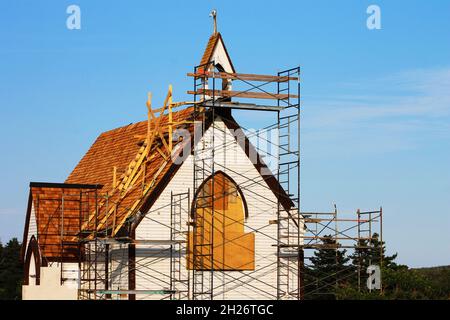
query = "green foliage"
{"x": 329, "y": 269}
{"x": 399, "y": 283}
{"x": 11, "y": 271}
{"x": 367, "y": 253}
{"x": 330, "y": 276}
{"x": 438, "y": 279}
{"x": 403, "y": 283}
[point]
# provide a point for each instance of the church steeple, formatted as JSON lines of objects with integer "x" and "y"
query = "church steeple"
{"x": 216, "y": 50}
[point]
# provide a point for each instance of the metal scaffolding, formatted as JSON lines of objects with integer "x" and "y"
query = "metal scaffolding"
{"x": 180, "y": 211}
{"x": 288, "y": 175}
{"x": 356, "y": 232}
{"x": 203, "y": 167}
{"x": 110, "y": 261}
{"x": 287, "y": 172}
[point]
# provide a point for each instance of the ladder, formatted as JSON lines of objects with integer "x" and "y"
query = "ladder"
{"x": 179, "y": 216}
{"x": 203, "y": 224}
{"x": 289, "y": 251}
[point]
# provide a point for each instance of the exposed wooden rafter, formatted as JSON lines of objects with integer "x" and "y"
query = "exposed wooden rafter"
{"x": 157, "y": 140}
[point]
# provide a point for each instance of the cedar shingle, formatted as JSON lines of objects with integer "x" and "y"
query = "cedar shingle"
{"x": 118, "y": 147}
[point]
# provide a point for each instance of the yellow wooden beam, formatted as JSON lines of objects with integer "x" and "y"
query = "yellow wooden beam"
{"x": 131, "y": 182}
{"x": 161, "y": 153}
{"x": 137, "y": 167}
{"x": 163, "y": 140}
{"x": 147, "y": 189}
{"x": 170, "y": 120}
{"x": 149, "y": 116}
{"x": 114, "y": 177}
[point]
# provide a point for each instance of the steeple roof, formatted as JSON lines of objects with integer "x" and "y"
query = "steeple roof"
{"x": 216, "y": 51}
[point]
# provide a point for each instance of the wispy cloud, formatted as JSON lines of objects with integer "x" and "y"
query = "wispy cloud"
{"x": 394, "y": 112}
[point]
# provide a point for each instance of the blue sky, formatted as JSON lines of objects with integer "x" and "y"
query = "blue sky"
{"x": 376, "y": 103}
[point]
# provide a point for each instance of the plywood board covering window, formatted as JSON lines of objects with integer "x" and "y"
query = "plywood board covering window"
{"x": 219, "y": 237}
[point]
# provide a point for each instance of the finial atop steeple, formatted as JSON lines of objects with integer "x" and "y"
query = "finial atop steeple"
{"x": 213, "y": 14}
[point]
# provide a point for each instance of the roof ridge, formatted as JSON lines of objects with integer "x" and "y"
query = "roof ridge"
{"x": 132, "y": 124}
{"x": 210, "y": 46}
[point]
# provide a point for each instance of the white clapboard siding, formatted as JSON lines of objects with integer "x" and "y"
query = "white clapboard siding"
{"x": 118, "y": 269}
{"x": 32, "y": 227}
{"x": 70, "y": 274}
{"x": 262, "y": 207}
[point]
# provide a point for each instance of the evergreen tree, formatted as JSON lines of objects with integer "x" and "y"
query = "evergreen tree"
{"x": 11, "y": 271}
{"x": 328, "y": 270}
{"x": 369, "y": 252}
{"x": 2, "y": 290}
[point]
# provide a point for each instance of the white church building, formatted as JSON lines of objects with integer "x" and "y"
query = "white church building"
{"x": 180, "y": 206}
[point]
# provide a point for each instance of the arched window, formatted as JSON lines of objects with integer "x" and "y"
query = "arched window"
{"x": 218, "y": 234}
{"x": 32, "y": 266}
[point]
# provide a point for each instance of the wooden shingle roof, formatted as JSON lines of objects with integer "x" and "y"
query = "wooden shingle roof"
{"x": 58, "y": 217}
{"x": 124, "y": 148}
{"x": 59, "y": 221}
{"x": 213, "y": 41}
{"x": 90, "y": 184}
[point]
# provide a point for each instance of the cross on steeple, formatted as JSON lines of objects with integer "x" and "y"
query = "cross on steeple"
{"x": 216, "y": 51}
{"x": 213, "y": 14}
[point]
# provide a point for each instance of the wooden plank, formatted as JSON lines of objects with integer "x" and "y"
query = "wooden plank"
{"x": 161, "y": 153}
{"x": 114, "y": 177}
{"x": 150, "y": 116}
{"x": 242, "y": 94}
{"x": 147, "y": 189}
{"x": 164, "y": 142}
{"x": 158, "y": 120}
{"x": 131, "y": 179}
{"x": 170, "y": 120}
{"x": 243, "y": 106}
{"x": 133, "y": 167}
{"x": 128, "y": 292}
{"x": 243, "y": 76}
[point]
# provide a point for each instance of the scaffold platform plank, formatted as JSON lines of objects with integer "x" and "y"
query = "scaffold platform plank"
{"x": 142, "y": 242}
{"x": 242, "y": 106}
{"x": 242, "y": 94}
{"x": 135, "y": 291}
{"x": 242, "y": 76}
